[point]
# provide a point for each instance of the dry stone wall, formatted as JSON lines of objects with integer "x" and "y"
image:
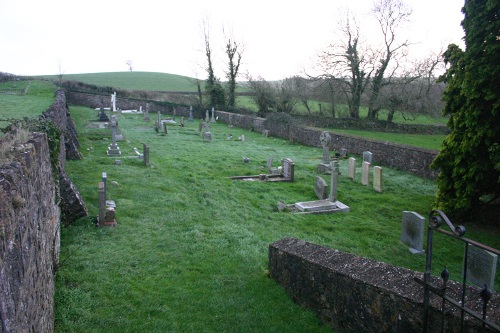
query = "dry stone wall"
{"x": 30, "y": 223}
{"x": 29, "y": 239}
{"x": 403, "y": 157}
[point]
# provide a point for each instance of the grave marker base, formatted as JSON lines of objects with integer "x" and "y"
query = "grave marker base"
{"x": 321, "y": 206}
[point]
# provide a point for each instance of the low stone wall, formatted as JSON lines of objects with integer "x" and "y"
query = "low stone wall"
{"x": 355, "y": 294}
{"x": 29, "y": 239}
{"x": 94, "y": 101}
{"x": 402, "y": 157}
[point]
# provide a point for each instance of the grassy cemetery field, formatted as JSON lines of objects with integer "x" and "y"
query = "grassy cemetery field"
{"x": 189, "y": 252}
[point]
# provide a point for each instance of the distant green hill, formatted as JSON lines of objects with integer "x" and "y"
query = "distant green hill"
{"x": 148, "y": 81}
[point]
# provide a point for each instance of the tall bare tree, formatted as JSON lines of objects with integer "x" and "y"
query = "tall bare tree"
{"x": 347, "y": 63}
{"x": 212, "y": 86}
{"x": 390, "y": 14}
{"x": 234, "y": 52}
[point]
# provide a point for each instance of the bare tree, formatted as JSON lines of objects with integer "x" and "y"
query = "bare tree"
{"x": 286, "y": 97}
{"x": 129, "y": 64}
{"x": 263, "y": 94}
{"x": 390, "y": 14}
{"x": 414, "y": 91}
{"x": 303, "y": 91}
{"x": 347, "y": 63}
{"x": 234, "y": 52}
{"x": 212, "y": 83}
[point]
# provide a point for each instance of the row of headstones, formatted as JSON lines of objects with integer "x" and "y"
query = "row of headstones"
{"x": 365, "y": 172}
{"x": 481, "y": 264}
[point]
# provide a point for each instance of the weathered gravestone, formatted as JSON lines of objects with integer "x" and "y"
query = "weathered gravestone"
{"x": 213, "y": 116}
{"x": 146, "y": 114}
{"x": 145, "y": 152}
{"x": 367, "y": 157}
{"x": 190, "y": 119}
{"x": 343, "y": 152}
{"x": 321, "y": 188}
{"x": 288, "y": 169}
{"x": 270, "y": 169}
{"x": 365, "y": 173}
{"x": 351, "y": 168}
{"x": 412, "y": 232}
{"x": 377, "y": 179}
{"x": 330, "y": 205}
{"x": 265, "y": 133}
{"x": 113, "y": 148}
{"x": 325, "y": 166}
{"x": 481, "y": 267}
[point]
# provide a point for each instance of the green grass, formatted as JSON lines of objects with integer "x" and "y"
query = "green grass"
{"x": 39, "y": 97}
{"x": 189, "y": 253}
{"x": 134, "y": 80}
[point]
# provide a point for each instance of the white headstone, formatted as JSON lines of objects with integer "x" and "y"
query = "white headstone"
{"x": 365, "y": 173}
{"x": 412, "y": 232}
{"x": 377, "y": 179}
{"x": 351, "y": 168}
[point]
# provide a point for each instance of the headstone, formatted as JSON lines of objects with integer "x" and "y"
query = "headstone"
{"x": 173, "y": 117}
{"x": 104, "y": 180}
{"x": 113, "y": 99}
{"x": 191, "y": 114}
{"x": 102, "y": 114}
{"x": 230, "y": 125}
{"x": 164, "y": 125}
{"x": 102, "y": 203}
{"x": 146, "y": 114}
{"x": 241, "y": 138}
{"x": 207, "y": 118}
{"x": 343, "y": 152}
{"x": 351, "y": 168}
{"x": 377, "y": 179}
{"x": 182, "y": 122}
{"x": 158, "y": 122}
{"x": 113, "y": 148}
{"x": 213, "y": 116}
{"x": 109, "y": 217}
{"x": 270, "y": 169}
{"x": 325, "y": 140}
{"x": 145, "y": 152}
{"x": 288, "y": 167}
{"x": 367, "y": 157}
{"x": 207, "y": 136}
{"x": 334, "y": 183}
{"x": 481, "y": 267}
{"x": 265, "y": 133}
{"x": 412, "y": 233}
{"x": 321, "y": 188}
{"x": 365, "y": 173}
{"x": 200, "y": 126}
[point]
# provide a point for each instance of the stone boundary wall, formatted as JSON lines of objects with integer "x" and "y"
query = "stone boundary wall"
{"x": 352, "y": 294}
{"x": 402, "y": 157}
{"x": 30, "y": 223}
{"x": 72, "y": 204}
{"x": 29, "y": 238}
{"x": 94, "y": 101}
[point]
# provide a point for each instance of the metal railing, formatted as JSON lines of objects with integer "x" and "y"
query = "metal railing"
{"x": 436, "y": 219}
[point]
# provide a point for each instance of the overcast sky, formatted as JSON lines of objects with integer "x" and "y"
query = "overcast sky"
{"x": 280, "y": 36}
